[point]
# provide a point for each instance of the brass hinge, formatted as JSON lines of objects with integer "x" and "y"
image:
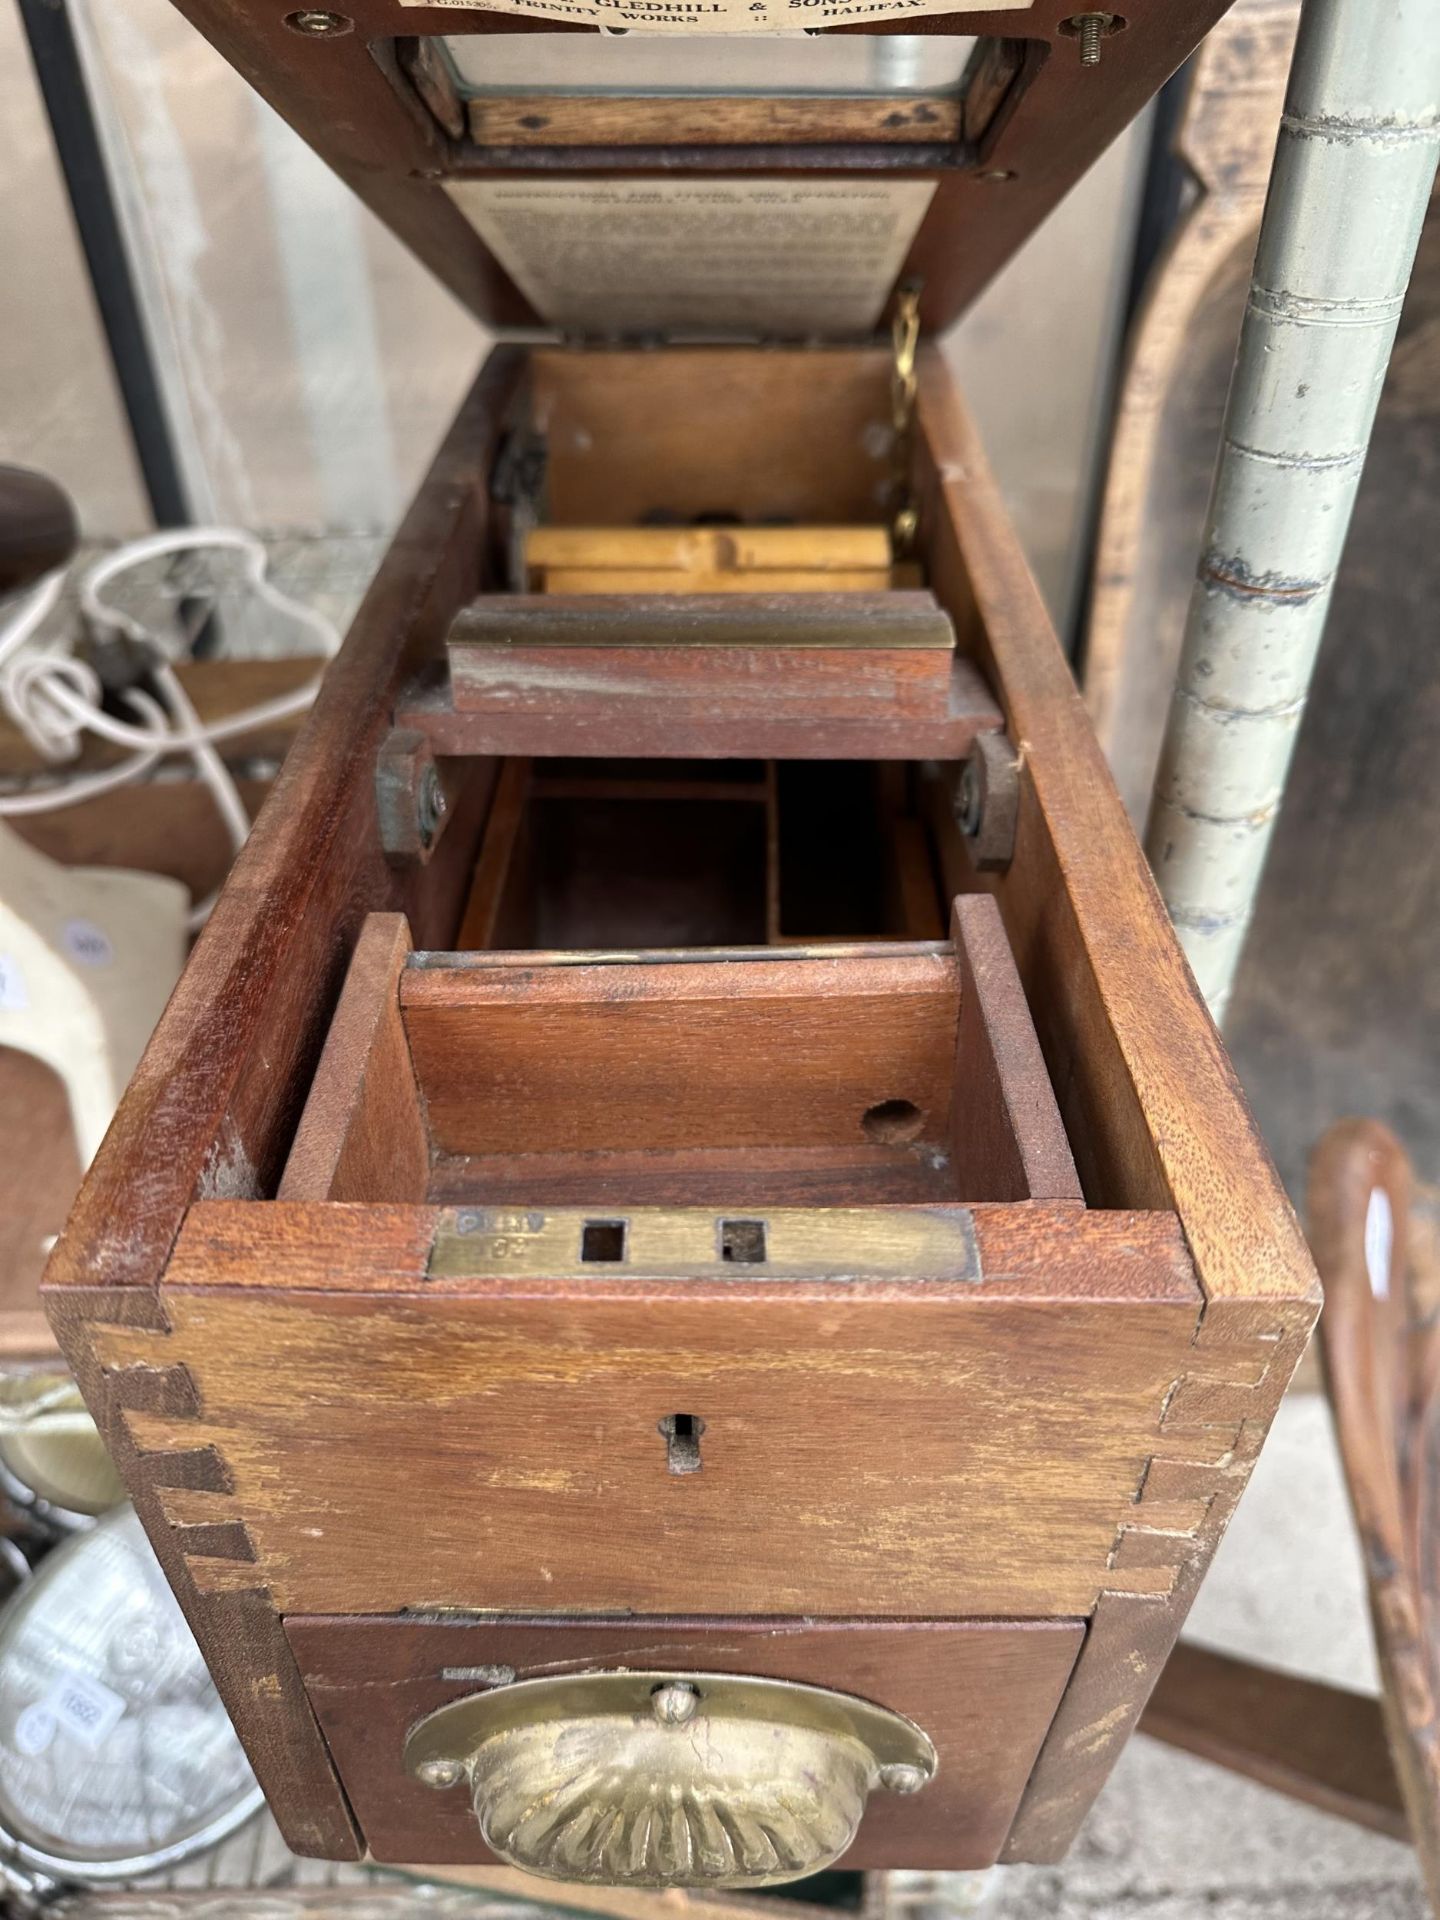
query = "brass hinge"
{"x": 904, "y": 340}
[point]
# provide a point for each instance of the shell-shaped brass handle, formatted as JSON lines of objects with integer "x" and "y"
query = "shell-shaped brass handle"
{"x": 668, "y": 1779}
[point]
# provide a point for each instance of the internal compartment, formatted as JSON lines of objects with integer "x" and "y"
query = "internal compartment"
{"x": 717, "y": 434}
{"x": 741, "y": 1078}
{"x": 712, "y": 973}
{"x": 637, "y": 854}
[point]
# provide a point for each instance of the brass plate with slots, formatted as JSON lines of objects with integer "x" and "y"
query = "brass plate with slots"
{"x": 783, "y": 1243}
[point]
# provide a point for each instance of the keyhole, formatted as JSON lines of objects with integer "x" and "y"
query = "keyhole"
{"x": 682, "y": 1433}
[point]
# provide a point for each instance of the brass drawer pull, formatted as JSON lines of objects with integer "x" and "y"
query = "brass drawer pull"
{"x": 659, "y": 1780}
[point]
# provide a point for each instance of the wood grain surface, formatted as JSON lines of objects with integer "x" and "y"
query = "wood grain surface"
{"x": 983, "y": 1691}
{"x": 1063, "y": 1438}
{"x": 1152, "y": 1107}
{"x": 714, "y": 1053}
{"x": 362, "y": 1135}
{"x": 1382, "y": 1368}
{"x": 703, "y": 703}
{"x": 677, "y": 617}
{"x": 777, "y": 1068}
{"x": 1319, "y": 1744}
{"x": 309, "y": 1336}
{"x": 215, "y": 1099}
{"x": 650, "y": 120}
{"x": 1008, "y": 1141}
{"x": 791, "y": 434}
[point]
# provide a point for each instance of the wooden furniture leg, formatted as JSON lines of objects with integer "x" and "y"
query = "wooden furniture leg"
{"x": 1380, "y": 1340}
{"x": 1317, "y": 1743}
{"x": 1381, "y": 1353}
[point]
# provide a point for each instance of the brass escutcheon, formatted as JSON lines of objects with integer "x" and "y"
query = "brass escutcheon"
{"x": 668, "y": 1779}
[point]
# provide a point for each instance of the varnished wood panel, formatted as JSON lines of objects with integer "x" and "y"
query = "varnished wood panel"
{"x": 735, "y": 1179}
{"x": 1008, "y": 1141}
{"x": 1106, "y": 1408}
{"x": 1151, "y": 1104}
{"x": 672, "y": 1054}
{"x": 875, "y": 1446}
{"x": 362, "y": 1135}
{"x": 673, "y": 617}
{"x": 705, "y": 703}
{"x": 215, "y": 1099}
{"x": 984, "y": 1691}
{"x": 786, "y": 435}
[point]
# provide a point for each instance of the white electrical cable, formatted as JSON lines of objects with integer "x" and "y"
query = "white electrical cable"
{"x": 53, "y": 698}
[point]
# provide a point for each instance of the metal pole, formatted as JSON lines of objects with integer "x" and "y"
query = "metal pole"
{"x": 59, "y": 70}
{"x": 1354, "y": 166}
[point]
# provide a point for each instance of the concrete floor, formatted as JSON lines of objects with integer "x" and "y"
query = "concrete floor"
{"x": 1174, "y": 1839}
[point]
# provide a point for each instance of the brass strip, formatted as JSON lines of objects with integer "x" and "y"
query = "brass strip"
{"x": 699, "y": 1243}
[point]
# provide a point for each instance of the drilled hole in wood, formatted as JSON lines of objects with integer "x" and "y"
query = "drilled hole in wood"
{"x": 682, "y": 1433}
{"x": 743, "y": 1242}
{"x": 892, "y": 1122}
{"x": 602, "y": 1240}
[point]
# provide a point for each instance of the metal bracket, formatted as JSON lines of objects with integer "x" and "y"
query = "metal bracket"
{"x": 412, "y": 798}
{"x": 987, "y": 801}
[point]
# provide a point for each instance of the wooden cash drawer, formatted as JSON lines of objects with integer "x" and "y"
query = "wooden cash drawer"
{"x": 691, "y": 1186}
{"x": 986, "y": 1690}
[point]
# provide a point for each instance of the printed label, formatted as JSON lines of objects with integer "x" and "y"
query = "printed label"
{"x": 766, "y": 258}
{"x": 14, "y": 994}
{"x": 726, "y": 16}
{"x": 87, "y": 944}
{"x": 78, "y": 1705}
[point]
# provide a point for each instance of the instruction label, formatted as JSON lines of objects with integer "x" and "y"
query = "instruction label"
{"x": 725, "y": 16}
{"x": 777, "y": 259}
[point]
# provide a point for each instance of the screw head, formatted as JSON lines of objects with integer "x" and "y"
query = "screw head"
{"x": 998, "y": 173}
{"x": 903, "y": 1779}
{"x": 674, "y": 1703}
{"x": 318, "y": 24}
{"x": 439, "y": 1773}
{"x": 1090, "y": 29}
{"x": 430, "y": 803}
{"x": 969, "y": 801}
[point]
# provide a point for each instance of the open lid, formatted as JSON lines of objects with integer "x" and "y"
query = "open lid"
{"x": 708, "y": 168}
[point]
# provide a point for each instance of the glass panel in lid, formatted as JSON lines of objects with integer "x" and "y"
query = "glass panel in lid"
{"x": 708, "y": 65}
{"x": 116, "y": 1754}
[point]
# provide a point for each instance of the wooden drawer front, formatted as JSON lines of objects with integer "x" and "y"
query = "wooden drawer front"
{"x": 984, "y": 1690}
{"x": 872, "y": 1446}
